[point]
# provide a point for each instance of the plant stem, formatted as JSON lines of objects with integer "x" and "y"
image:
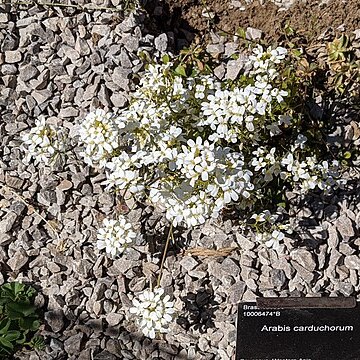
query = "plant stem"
{"x": 170, "y": 235}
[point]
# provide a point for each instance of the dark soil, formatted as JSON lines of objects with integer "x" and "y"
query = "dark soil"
{"x": 307, "y": 18}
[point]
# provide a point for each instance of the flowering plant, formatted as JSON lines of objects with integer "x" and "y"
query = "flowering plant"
{"x": 154, "y": 312}
{"x": 193, "y": 145}
{"x": 44, "y": 142}
{"x": 115, "y": 236}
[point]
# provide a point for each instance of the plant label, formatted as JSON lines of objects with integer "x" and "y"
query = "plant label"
{"x": 299, "y": 329}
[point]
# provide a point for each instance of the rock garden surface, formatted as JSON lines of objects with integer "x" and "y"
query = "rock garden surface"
{"x": 64, "y": 62}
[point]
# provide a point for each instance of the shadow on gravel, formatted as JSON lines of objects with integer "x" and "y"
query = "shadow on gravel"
{"x": 199, "y": 311}
{"x": 320, "y": 207}
{"x": 116, "y": 347}
{"x": 162, "y": 19}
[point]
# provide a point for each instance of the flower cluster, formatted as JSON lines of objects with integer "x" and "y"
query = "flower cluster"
{"x": 195, "y": 145}
{"x": 305, "y": 172}
{"x": 99, "y": 135}
{"x": 154, "y": 312}
{"x": 43, "y": 142}
{"x": 115, "y": 236}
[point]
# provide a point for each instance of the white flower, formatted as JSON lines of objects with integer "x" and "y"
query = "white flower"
{"x": 43, "y": 142}
{"x": 115, "y": 236}
{"x": 300, "y": 141}
{"x": 274, "y": 240}
{"x": 99, "y": 134}
{"x": 154, "y": 312}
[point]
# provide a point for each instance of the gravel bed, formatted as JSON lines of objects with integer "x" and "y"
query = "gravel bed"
{"x": 62, "y": 63}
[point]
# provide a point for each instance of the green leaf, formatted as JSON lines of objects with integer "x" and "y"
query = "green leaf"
{"x": 4, "y": 326}
{"x": 180, "y": 70}
{"x": 22, "y": 308}
{"x": 6, "y": 343}
{"x": 14, "y": 315}
{"x": 241, "y": 32}
{"x": 37, "y": 342}
{"x": 22, "y": 339}
{"x": 29, "y": 324}
{"x": 165, "y": 59}
{"x": 12, "y": 335}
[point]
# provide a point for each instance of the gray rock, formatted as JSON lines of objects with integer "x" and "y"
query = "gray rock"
{"x": 14, "y": 181}
{"x": 121, "y": 266}
{"x": 120, "y": 78}
{"x": 68, "y": 112}
{"x": 56, "y": 345}
{"x": 278, "y": 277}
{"x": 215, "y": 49}
{"x": 161, "y": 42}
{"x": 73, "y": 344}
{"x": 346, "y": 249}
{"x": 130, "y": 42}
{"x": 188, "y": 263}
{"x": 346, "y": 288}
{"x": 8, "y": 69}
{"x": 113, "y": 318}
{"x": 70, "y": 53}
{"x": 231, "y": 48}
{"x": 97, "y": 325}
{"x": 47, "y": 197}
{"x": 352, "y": 262}
{"x": 118, "y": 100}
{"x": 236, "y": 292}
{"x": 249, "y": 296}
{"x": 99, "y": 29}
{"x": 302, "y": 272}
{"x": 244, "y": 242}
{"x": 333, "y": 240}
{"x": 219, "y": 71}
{"x": 28, "y": 72}
{"x": 303, "y": 258}
{"x": 55, "y": 319}
{"x": 230, "y": 267}
{"x": 114, "y": 346}
{"x": 82, "y": 47}
{"x": 17, "y": 207}
{"x": 125, "y": 59}
{"x": 105, "y": 355}
{"x": 4, "y": 18}
{"x": 253, "y": 34}
{"x": 127, "y": 25}
{"x": 137, "y": 285}
{"x": 8, "y": 222}
{"x": 13, "y": 56}
{"x": 41, "y": 96}
{"x": 18, "y": 260}
{"x": 345, "y": 226}
{"x": 233, "y": 68}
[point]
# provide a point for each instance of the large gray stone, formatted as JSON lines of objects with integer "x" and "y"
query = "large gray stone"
{"x": 73, "y": 344}
{"x": 303, "y": 258}
{"x": 12, "y": 56}
{"x": 28, "y": 72}
{"x": 8, "y": 221}
{"x": 18, "y": 260}
{"x": 55, "y": 319}
{"x": 352, "y": 262}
